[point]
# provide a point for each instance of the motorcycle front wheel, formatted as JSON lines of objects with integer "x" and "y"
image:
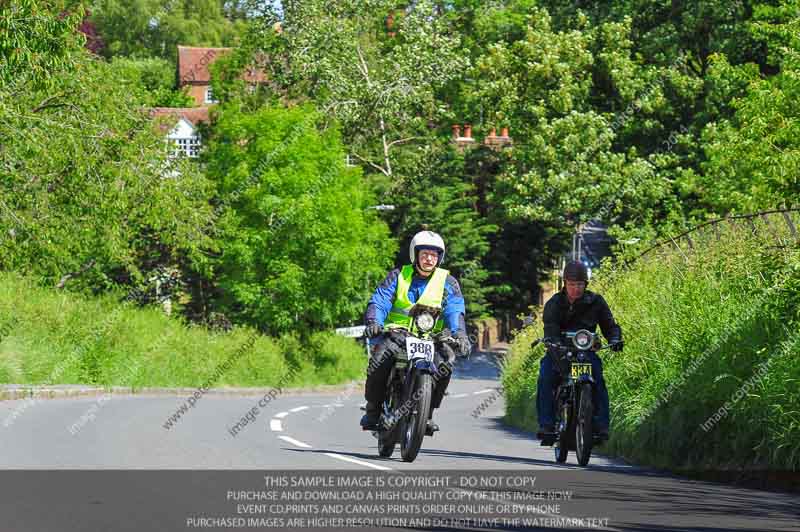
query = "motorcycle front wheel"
{"x": 418, "y": 418}
{"x": 583, "y": 426}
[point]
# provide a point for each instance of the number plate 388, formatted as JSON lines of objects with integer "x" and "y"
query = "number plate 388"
{"x": 419, "y": 349}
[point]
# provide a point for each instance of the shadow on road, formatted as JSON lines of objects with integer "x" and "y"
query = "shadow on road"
{"x": 479, "y": 366}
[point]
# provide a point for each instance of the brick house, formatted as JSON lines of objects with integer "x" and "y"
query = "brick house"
{"x": 193, "y": 72}
{"x": 180, "y": 124}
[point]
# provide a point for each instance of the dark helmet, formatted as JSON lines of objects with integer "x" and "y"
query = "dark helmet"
{"x": 575, "y": 270}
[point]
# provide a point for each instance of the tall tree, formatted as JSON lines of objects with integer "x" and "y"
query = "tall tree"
{"x": 437, "y": 197}
{"x": 753, "y": 157}
{"x": 154, "y": 28}
{"x": 373, "y": 65}
{"x": 567, "y": 167}
{"x": 299, "y": 250}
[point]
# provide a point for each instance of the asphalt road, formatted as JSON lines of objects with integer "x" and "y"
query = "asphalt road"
{"x": 315, "y": 433}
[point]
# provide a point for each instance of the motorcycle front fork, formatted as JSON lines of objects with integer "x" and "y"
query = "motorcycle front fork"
{"x": 563, "y": 402}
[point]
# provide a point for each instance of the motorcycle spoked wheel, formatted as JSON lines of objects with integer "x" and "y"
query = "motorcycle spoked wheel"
{"x": 414, "y": 425}
{"x": 583, "y": 426}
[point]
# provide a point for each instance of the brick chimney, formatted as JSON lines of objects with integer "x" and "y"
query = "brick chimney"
{"x": 467, "y": 139}
{"x": 390, "y": 24}
{"x": 495, "y": 141}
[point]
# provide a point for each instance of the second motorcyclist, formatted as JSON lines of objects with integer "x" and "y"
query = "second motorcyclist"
{"x": 571, "y": 309}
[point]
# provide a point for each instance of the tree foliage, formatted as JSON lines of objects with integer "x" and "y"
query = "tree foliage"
{"x": 436, "y": 197}
{"x": 98, "y": 204}
{"x": 151, "y": 81}
{"x": 299, "y": 249}
{"x": 154, "y": 28}
{"x": 34, "y": 44}
{"x": 373, "y": 65}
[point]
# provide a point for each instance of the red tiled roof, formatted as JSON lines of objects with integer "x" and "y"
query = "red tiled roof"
{"x": 193, "y": 64}
{"x": 193, "y": 115}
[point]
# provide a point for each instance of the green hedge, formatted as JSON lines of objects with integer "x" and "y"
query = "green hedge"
{"x": 710, "y": 375}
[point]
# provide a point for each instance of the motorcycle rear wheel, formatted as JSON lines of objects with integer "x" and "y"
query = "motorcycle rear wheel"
{"x": 583, "y": 426}
{"x": 415, "y": 423}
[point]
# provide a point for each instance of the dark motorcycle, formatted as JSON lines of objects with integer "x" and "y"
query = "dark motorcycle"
{"x": 573, "y": 396}
{"x": 421, "y": 358}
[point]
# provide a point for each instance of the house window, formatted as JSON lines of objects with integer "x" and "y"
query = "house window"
{"x": 186, "y": 146}
{"x": 210, "y": 96}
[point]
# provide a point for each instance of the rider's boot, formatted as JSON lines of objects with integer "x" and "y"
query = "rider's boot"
{"x": 430, "y": 427}
{"x": 370, "y": 420}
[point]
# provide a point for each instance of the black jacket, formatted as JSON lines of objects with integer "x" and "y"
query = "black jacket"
{"x": 587, "y": 312}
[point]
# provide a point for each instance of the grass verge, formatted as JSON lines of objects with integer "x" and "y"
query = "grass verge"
{"x": 49, "y": 337}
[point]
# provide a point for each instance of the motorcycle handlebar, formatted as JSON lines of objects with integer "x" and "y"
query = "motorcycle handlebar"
{"x": 561, "y": 347}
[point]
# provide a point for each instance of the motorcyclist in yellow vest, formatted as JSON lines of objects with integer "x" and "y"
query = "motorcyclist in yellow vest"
{"x": 422, "y": 281}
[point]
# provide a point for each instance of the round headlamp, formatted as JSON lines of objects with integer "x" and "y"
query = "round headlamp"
{"x": 583, "y": 339}
{"x": 425, "y": 322}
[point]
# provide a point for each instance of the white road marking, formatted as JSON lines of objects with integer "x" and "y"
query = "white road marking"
{"x": 298, "y": 409}
{"x": 359, "y": 462}
{"x": 275, "y": 424}
{"x": 487, "y": 390}
{"x": 281, "y": 415}
{"x": 459, "y": 395}
{"x": 295, "y": 442}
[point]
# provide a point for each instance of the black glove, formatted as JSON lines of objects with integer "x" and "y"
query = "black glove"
{"x": 616, "y": 345}
{"x": 551, "y": 350}
{"x": 464, "y": 345}
{"x": 373, "y": 329}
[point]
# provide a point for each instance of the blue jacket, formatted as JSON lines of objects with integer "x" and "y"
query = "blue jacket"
{"x": 452, "y": 303}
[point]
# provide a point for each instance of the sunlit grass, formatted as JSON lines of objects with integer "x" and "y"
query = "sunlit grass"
{"x": 49, "y": 337}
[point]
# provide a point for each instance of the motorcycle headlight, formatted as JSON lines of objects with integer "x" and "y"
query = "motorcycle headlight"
{"x": 425, "y": 322}
{"x": 583, "y": 339}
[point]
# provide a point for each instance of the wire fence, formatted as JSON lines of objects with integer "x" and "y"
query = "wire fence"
{"x": 779, "y": 225}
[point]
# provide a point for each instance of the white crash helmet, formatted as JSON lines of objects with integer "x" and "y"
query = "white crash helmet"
{"x": 425, "y": 239}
